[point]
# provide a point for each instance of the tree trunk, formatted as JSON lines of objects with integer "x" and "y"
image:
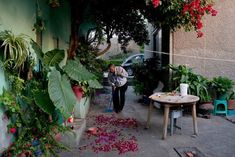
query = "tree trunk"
{"x": 73, "y": 45}
{"x": 104, "y": 51}
{"x": 77, "y": 10}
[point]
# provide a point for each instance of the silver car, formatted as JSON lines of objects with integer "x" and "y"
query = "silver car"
{"x": 127, "y": 64}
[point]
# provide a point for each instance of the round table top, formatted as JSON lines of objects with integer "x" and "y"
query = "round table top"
{"x": 173, "y": 98}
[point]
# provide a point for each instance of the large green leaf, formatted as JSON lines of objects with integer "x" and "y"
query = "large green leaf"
{"x": 43, "y": 101}
{"x": 61, "y": 93}
{"x": 53, "y": 57}
{"x": 37, "y": 49}
{"x": 77, "y": 71}
{"x": 94, "y": 84}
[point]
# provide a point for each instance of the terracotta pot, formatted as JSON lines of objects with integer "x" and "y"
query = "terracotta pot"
{"x": 231, "y": 104}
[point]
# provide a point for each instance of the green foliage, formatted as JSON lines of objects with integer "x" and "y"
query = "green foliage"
{"x": 87, "y": 56}
{"x": 30, "y": 102}
{"x": 16, "y": 84}
{"x": 61, "y": 93}
{"x": 94, "y": 84}
{"x": 198, "y": 85}
{"x": 168, "y": 14}
{"x": 81, "y": 76}
{"x": 37, "y": 49}
{"x": 231, "y": 95}
{"x": 222, "y": 85}
{"x": 181, "y": 74}
{"x": 16, "y": 49}
{"x": 146, "y": 76}
{"x": 44, "y": 102}
{"x": 122, "y": 18}
{"x": 53, "y": 57}
{"x": 77, "y": 71}
{"x": 30, "y": 123}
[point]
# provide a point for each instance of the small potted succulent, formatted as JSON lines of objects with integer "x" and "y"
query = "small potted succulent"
{"x": 222, "y": 85}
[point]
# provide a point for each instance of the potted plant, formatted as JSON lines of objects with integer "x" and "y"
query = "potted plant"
{"x": 83, "y": 94}
{"x": 231, "y": 100}
{"x": 222, "y": 85}
{"x": 198, "y": 85}
{"x": 16, "y": 50}
{"x": 146, "y": 78}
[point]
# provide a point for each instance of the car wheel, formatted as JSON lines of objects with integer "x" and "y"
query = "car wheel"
{"x": 129, "y": 71}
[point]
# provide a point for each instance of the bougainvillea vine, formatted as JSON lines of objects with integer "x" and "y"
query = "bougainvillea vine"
{"x": 196, "y": 9}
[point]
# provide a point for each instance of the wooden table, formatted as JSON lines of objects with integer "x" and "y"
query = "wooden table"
{"x": 169, "y": 100}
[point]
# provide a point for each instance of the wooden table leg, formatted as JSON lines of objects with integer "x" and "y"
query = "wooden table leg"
{"x": 149, "y": 114}
{"x": 165, "y": 121}
{"x": 194, "y": 115}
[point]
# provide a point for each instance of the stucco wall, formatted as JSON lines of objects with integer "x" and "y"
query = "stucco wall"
{"x": 218, "y": 42}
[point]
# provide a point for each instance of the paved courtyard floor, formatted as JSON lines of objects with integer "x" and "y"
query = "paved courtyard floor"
{"x": 125, "y": 134}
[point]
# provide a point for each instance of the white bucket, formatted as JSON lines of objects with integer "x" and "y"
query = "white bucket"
{"x": 183, "y": 89}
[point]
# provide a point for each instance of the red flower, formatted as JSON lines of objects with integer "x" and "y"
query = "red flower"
{"x": 199, "y": 34}
{"x": 12, "y": 130}
{"x": 196, "y": 11}
{"x": 213, "y": 12}
{"x": 155, "y": 3}
{"x": 199, "y": 25}
{"x": 78, "y": 92}
{"x": 70, "y": 120}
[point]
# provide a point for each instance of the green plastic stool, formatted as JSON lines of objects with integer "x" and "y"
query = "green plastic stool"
{"x": 220, "y": 107}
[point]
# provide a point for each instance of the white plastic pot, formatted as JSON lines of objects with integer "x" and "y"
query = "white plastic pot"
{"x": 183, "y": 89}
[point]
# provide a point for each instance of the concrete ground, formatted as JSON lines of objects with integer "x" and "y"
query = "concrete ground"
{"x": 216, "y": 135}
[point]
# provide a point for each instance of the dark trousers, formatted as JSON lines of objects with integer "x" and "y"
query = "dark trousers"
{"x": 119, "y": 98}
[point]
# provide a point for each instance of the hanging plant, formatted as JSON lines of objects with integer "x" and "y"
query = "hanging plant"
{"x": 16, "y": 49}
{"x": 39, "y": 25}
{"x": 54, "y": 3}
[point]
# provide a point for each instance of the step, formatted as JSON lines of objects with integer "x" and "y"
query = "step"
{"x": 72, "y": 139}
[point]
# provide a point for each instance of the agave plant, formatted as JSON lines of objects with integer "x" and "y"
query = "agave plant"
{"x": 16, "y": 49}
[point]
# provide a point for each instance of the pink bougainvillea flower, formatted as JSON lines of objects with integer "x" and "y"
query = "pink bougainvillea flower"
{"x": 155, "y": 3}
{"x": 12, "y": 130}
{"x": 213, "y": 12}
{"x": 109, "y": 135}
{"x": 199, "y": 34}
{"x": 124, "y": 122}
{"x": 199, "y": 25}
{"x": 195, "y": 9}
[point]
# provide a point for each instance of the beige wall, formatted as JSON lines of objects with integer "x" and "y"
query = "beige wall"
{"x": 218, "y": 42}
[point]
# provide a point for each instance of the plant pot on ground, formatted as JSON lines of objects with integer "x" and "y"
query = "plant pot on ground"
{"x": 222, "y": 86}
{"x": 205, "y": 107}
{"x": 231, "y": 101}
{"x": 146, "y": 79}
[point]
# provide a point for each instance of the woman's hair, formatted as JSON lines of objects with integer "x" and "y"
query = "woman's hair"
{"x": 111, "y": 64}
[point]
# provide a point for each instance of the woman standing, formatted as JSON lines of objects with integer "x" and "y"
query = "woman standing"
{"x": 118, "y": 79}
